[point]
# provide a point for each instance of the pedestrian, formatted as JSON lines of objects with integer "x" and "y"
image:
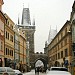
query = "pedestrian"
{"x": 38, "y": 70}
{"x": 35, "y": 70}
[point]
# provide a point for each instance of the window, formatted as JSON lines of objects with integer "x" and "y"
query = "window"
{"x": 11, "y": 52}
{"x": 6, "y": 51}
{"x": 6, "y": 34}
{"x": 58, "y": 55}
{"x": 61, "y": 44}
{"x": 74, "y": 53}
{"x": 61, "y": 35}
{"x": 11, "y": 38}
{"x": 65, "y": 41}
{"x": 61, "y": 54}
{"x": 58, "y": 38}
{"x": 8, "y": 22}
{"x": 1, "y": 45}
{"x": 11, "y": 26}
{"x": 65, "y": 30}
{"x": 58, "y": 69}
{"x": 66, "y": 52}
{"x": 58, "y": 47}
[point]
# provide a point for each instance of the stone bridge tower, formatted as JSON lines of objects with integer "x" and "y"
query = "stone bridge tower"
{"x": 29, "y": 30}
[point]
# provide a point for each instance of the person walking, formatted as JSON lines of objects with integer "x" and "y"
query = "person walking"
{"x": 35, "y": 70}
{"x": 38, "y": 70}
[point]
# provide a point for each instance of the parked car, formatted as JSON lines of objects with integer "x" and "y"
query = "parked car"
{"x": 6, "y": 71}
{"x": 17, "y": 72}
{"x": 58, "y": 71}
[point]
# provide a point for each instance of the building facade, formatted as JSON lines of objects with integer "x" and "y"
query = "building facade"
{"x": 60, "y": 49}
{"x": 2, "y": 26}
{"x": 72, "y": 20}
{"x": 16, "y": 46}
{"x": 22, "y": 41}
{"x": 9, "y": 41}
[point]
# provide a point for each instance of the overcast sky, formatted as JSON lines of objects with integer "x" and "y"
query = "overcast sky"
{"x": 46, "y": 13}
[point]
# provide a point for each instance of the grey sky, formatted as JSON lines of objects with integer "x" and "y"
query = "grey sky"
{"x": 46, "y": 13}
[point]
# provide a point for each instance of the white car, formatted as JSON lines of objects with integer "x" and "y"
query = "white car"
{"x": 6, "y": 71}
{"x": 58, "y": 71}
{"x": 17, "y": 72}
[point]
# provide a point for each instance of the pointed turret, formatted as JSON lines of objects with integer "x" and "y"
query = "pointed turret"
{"x": 33, "y": 22}
{"x": 72, "y": 13}
{"x": 73, "y": 7}
{"x": 1, "y": 3}
{"x": 52, "y": 34}
{"x": 18, "y": 21}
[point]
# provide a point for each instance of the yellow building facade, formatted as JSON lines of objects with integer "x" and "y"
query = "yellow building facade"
{"x": 22, "y": 41}
{"x": 60, "y": 48}
{"x": 9, "y": 40}
{"x": 2, "y": 25}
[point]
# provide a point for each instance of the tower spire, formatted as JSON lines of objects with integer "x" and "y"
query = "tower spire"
{"x": 33, "y": 21}
{"x": 23, "y": 5}
{"x": 26, "y": 16}
{"x": 18, "y": 20}
{"x": 56, "y": 27}
{"x": 28, "y": 5}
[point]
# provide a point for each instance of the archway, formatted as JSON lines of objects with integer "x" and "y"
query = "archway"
{"x": 42, "y": 62}
{"x": 39, "y": 63}
{"x": 57, "y": 64}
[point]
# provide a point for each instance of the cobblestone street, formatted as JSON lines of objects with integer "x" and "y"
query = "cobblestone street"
{"x": 33, "y": 73}
{"x": 42, "y": 74}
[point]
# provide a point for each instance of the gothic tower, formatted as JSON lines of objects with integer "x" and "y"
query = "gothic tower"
{"x": 72, "y": 16}
{"x": 29, "y": 30}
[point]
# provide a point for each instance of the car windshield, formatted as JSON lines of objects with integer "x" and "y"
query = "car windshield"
{"x": 59, "y": 69}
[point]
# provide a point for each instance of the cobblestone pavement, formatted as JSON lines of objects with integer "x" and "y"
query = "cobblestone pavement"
{"x": 33, "y": 73}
